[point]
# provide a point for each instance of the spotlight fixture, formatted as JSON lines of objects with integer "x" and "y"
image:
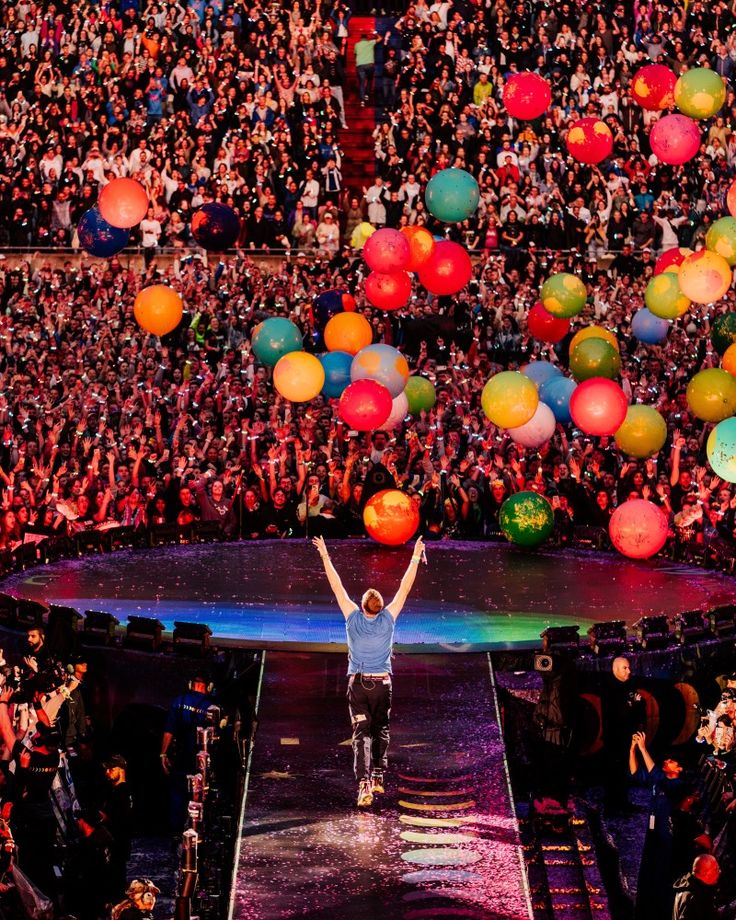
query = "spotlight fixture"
{"x": 652, "y": 632}
{"x": 192, "y": 639}
{"x": 690, "y": 626}
{"x": 99, "y": 627}
{"x": 30, "y": 613}
{"x": 560, "y": 637}
{"x": 608, "y": 638}
{"x": 143, "y": 633}
{"x": 722, "y": 620}
{"x": 8, "y": 609}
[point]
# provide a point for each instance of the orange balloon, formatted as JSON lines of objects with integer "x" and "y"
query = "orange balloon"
{"x": 348, "y": 332}
{"x": 299, "y": 376}
{"x": 421, "y": 247}
{"x": 728, "y": 361}
{"x": 158, "y": 309}
{"x": 123, "y": 203}
{"x": 704, "y": 276}
{"x": 731, "y": 199}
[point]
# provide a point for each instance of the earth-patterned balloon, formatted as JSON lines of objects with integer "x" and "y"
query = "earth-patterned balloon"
{"x": 526, "y": 519}
{"x": 215, "y": 227}
{"x": 391, "y": 517}
{"x": 99, "y": 238}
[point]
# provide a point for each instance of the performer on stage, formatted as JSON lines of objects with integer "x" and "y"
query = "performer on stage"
{"x": 370, "y": 632}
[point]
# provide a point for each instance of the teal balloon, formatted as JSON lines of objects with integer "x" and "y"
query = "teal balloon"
{"x": 721, "y": 449}
{"x": 420, "y": 394}
{"x": 526, "y": 519}
{"x": 337, "y": 372}
{"x": 556, "y": 394}
{"x": 452, "y": 195}
{"x": 274, "y": 338}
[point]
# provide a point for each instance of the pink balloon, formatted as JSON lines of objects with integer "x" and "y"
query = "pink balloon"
{"x": 638, "y": 528}
{"x": 386, "y": 250}
{"x": 598, "y": 406}
{"x": 675, "y": 139}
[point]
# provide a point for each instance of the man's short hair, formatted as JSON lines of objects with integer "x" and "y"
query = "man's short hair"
{"x": 372, "y": 602}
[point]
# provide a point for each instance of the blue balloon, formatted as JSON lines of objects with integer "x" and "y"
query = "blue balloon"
{"x": 337, "y": 372}
{"x": 99, "y": 238}
{"x": 329, "y": 304}
{"x": 215, "y": 226}
{"x": 649, "y": 328}
{"x": 541, "y": 371}
{"x": 556, "y": 394}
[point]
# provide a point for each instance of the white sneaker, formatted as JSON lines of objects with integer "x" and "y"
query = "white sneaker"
{"x": 365, "y": 794}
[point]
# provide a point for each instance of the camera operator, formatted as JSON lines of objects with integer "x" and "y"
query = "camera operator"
{"x": 139, "y": 902}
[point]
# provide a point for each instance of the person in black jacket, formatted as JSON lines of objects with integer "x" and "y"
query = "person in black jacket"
{"x": 695, "y": 892}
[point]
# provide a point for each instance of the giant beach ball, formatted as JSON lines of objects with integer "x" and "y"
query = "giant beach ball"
{"x": 123, "y": 203}
{"x": 728, "y": 361}
{"x": 711, "y": 395}
{"x": 642, "y": 433}
{"x": 671, "y": 259}
{"x": 594, "y": 358}
{"x": 638, "y": 528}
{"x": 386, "y": 250}
{"x": 382, "y": 363}
{"x": 274, "y": 338}
{"x": 448, "y": 269}
{"x": 452, "y": 195}
{"x": 589, "y": 140}
{"x": 399, "y": 411}
{"x": 299, "y": 376}
{"x": 388, "y": 291}
{"x": 526, "y": 96}
{"x": 593, "y": 332}
{"x": 721, "y": 449}
{"x": 675, "y": 139}
{"x": 526, "y": 519}
{"x": 556, "y": 393}
{"x": 598, "y": 406}
{"x": 420, "y": 394}
{"x": 721, "y": 239}
{"x": 329, "y": 304}
{"x": 540, "y": 371}
{"x": 543, "y": 326}
{"x": 700, "y": 93}
{"x": 421, "y": 246}
{"x": 348, "y": 332}
{"x": 648, "y": 328}
{"x": 391, "y": 517}
{"x": 653, "y": 87}
{"x": 664, "y": 297}
{"x": 538, "y": 430}
{"x": 215, "y": 226}
{"x": 704, "y": 277}
{"x": 158, "y": 309}
{"x": 509, "y": 399}
{"x": 99, "y": 238}
{"x": 723, "y": 332}
{"x": 563, "y": 295}
{"x": 360, "y": 234}
{"x": 365, "y": 405}
{"x": 336, "y": 365}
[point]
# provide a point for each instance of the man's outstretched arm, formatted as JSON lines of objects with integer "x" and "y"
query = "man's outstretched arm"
{"x": 397, "y": 604}
{"x": 346, "y": 605}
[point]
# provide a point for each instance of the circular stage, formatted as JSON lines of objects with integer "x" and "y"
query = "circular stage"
{"x": 477, "y": 596}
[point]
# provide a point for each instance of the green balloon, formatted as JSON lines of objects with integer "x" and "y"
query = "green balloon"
{"x": 700, "y": 93}
{"x": 452, "y": 195}
{"x": 526, "y": 519}
{"x": 563, "y": 295}
{"x": 274, "y": 338}
{"x": 723, "y": 332}
{"x": 721, "y": 238}
{"x": 420, "y": 394}
{"x": 711, "y": 395}
{"x": 594, "y": 358}
{"x": 664, "y": 298}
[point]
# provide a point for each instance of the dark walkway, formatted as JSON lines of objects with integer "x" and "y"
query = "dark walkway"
{"x": 442, "y": 841}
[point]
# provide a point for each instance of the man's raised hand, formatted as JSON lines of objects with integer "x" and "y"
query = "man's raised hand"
{"x": 319, "y": 542}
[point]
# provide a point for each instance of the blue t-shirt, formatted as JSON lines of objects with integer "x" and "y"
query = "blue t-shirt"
{"x": 369, "y": 642}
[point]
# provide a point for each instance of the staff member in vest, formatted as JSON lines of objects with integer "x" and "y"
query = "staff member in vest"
{"x": 370, "y": 632}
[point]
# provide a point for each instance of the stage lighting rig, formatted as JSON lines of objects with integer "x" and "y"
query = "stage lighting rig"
{"x": 690, "y": 626}
{"x": 722, "y": 620}
{"x": 608, "y": 638}
{"x": 652, "y": 632}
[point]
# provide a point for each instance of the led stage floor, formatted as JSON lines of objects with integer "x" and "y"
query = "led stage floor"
{"x": 470, "y": 596}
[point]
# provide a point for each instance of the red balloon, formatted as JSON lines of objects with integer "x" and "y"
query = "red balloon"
{"x": 123, "y": 203}
{"x": 388, "y": 291}
{"x": 590, "y": 140}
{"x": 674, "y": 256}
{"x": 386, "y": 250}
{"x": 545, "y": 327}
{"x": 448, "y": 271}
{"x": 365, "y": 405}
{"x": 638, "y": 528}
{"x": 598, "y": 406}
{"x": 653, "y": 87}
{"x": 391, "y": 517}
{"x": 675, "y": 139}
{"x": 526, "y": 95}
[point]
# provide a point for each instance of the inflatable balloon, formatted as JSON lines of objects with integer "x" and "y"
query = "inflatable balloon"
{"x": 664, "y": 297}
{"x": 594, "y": 358}
{"x": 649, "y": 328}
{"x": 653, "y": 87}
{"x": 598, "y": 406}
{"x": 642, "y": 433}
{"x": 704, "y": 277}
{"x": 158, "y": 309}
{"x": 509, "y": 399}
{"x": 384, "y": 364}
{"x": 391, "y": 517}
{"x": 675, "y": 139}
{"x": 563, "y": 295}
{"x": 721, "y": 449}
{"x": 721, "y": 238}
{"x": 348, "y": 332}
{"x": 399, "y": 411}
{"x": 526, "y": 519}
{"x": 421, "y": 394}
{"x": 421, "y": 246}
{"x": 728, "y": 362}
{"x": 700, "y": 93}
{"x": 365, "y": 405}
{"x": 556, "y": 393}
{"x": 543, "y": 326}
{"x": 538, "y": 430}
{"x": 329, "y": 304}
{"x": 215, "y": 226}
{"x": 711, "y": 395}
{"x": 589, "y": 140}
{"x": 526, "y": 96}
{"x": 638, "y": 528}
{"x": 388, "y": 291}
{"x": 448, "y": 270}
{"x": 386, "y": 250}
{"x": 731, "y": 199}
{"x": 452, "y": 195}
{"x": 593, "y": 332}
{"x": 274, "y": 338}
{"x": 336, "y": 365}
{"x": 540, "y": 371}
{"x": 299, "y": 376}
{"x": 723, "y": 332}
{"x": 360, "y": 234}
{"x": 99, "y": 238}
{"x": 671, "y": 259}
{"x": 123, "y": 203}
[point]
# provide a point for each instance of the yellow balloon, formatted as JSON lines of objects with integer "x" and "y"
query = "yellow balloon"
{"x": 593, "y": 332}
{"x": 510, "y": 399}
{"x": 642, "y": 433}
{"x": 704, "y": 277}
{"x": 299, "y": 376}
{"x": 361, "y": 234}
{"x": 711, "y": 395}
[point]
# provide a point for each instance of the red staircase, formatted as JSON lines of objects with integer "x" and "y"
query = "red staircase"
{"x": 358, "y": 162}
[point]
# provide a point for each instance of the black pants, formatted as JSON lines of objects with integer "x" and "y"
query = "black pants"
{"x": 369, "y": 699}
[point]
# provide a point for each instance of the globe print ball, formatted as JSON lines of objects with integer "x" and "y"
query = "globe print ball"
{"x": 526, "y": 519}
{"x": 391, "y": 517}
{"x": 215, "y": 227}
